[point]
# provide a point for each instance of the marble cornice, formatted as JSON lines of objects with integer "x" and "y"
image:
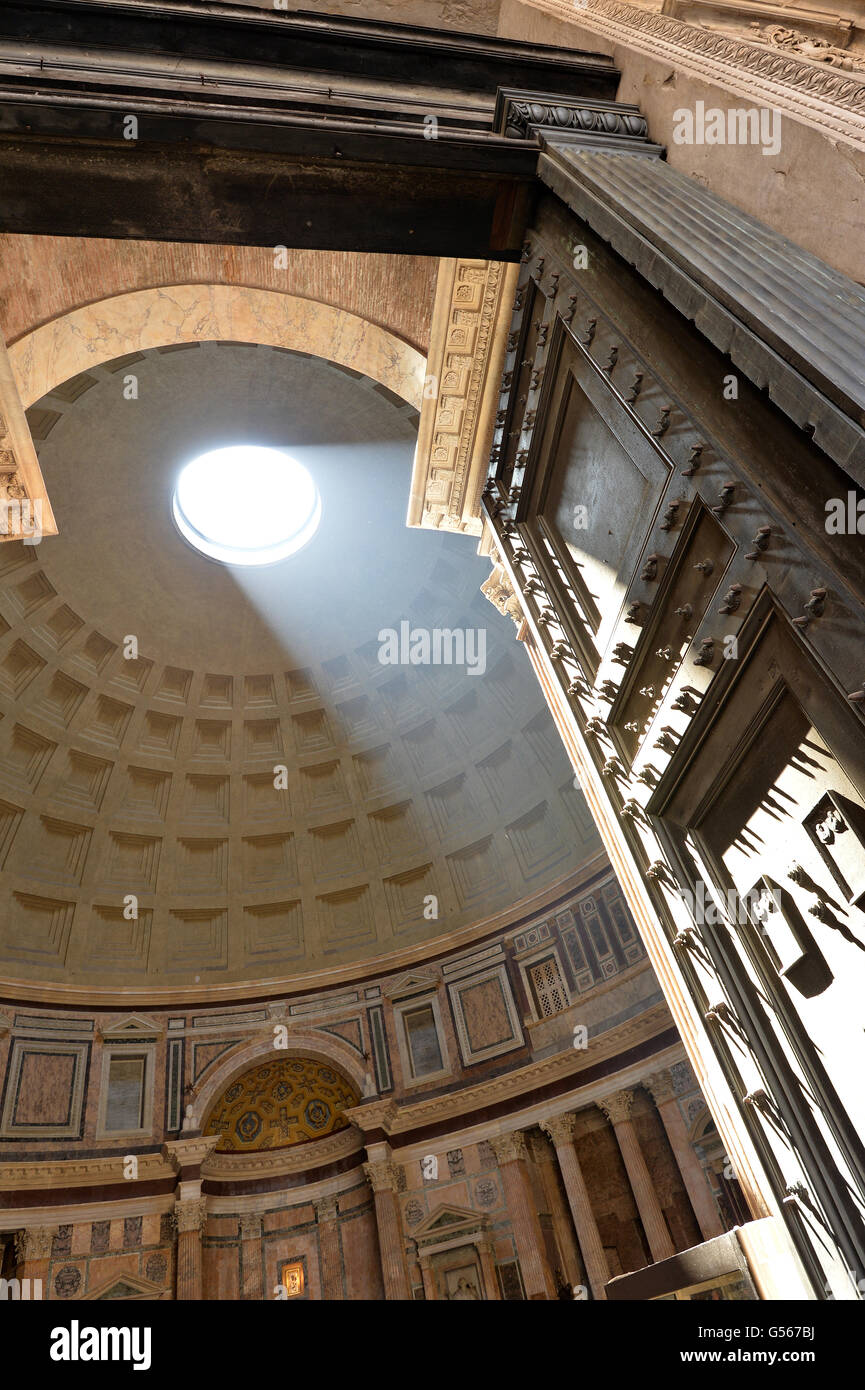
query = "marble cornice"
{"x": 54, "y": 1175}
{"x": 274, "y": 1163}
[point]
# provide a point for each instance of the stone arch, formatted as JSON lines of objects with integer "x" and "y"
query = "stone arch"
{"x": 319, "y": 1047}
{"x": 127, "y": 323}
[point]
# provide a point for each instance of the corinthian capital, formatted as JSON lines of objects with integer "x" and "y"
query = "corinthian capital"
{"x": 382, "y": 1177}
{"x": 617, "y": 1107}
{"x": 560, "y": 1128}
{"x": 509, "y": 1147}
{"x": 190, "y": 1215}
{"x": 660, "y": 1086}
{"x": 34, "y": 1243}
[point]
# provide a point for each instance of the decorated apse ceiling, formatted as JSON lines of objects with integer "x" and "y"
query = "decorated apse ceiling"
{"x": 148, "y": 780}
{"x": 289, "y": 1101}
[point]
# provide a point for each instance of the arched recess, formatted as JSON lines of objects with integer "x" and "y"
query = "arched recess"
{"x": 320, "y": 1048}
{"x": 129, "y": 323}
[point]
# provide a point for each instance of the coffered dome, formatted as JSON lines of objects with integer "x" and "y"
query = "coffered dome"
{"x": 224, "y": 752}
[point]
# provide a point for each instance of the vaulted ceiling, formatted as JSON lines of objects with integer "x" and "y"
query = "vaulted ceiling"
{"x": 154, "y": 777}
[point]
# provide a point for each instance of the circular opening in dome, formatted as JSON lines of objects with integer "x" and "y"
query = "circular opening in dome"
{"x": 246, "y": 505}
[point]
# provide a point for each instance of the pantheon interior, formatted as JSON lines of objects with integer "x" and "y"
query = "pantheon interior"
{"x": 432, "y": 677}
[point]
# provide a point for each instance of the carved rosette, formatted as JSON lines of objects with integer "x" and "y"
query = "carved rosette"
{"x": 508, "y": 1148}
{"x": 34, "y": 1243}
{"x": 560, "y": 1128}
{"x": 190, "y": 1215}
{"x": 618, "y": 1106}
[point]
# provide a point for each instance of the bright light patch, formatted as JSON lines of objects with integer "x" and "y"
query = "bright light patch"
{"x": 246, "y": 505}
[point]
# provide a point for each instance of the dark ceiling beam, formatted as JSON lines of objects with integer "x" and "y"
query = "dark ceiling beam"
{"x": 304, "y": 41}
{"x": 269, "y": 128}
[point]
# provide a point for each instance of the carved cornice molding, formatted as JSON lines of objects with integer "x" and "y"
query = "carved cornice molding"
{"x": 618, "y": 1106}
{"x": 601, "y": 125}
{"x": 814, "y": 92}
{"x": 274, "y": 1163}
{"x": 80, "y": 1172}
{"x": 189, "y": 1153}
{"x": 470, "y": 321}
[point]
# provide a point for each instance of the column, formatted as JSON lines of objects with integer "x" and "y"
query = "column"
{"x": 488, "y": 1269}
{"x": 511, "y": 1155}
{"x": 330, "y": 1254}
{"x": 190, "y": 1216}
{"x": 429, "y": 1283}
{"x": 381, "y": 1177}
{"x": 560, "y": 1128}
{"x": 251, "y": 1281}
{"x": 33, "y": 1256}
{"x": 617, "y": 1109}
{"x": 660, "y": 1086}
{"x": 186, "y": 1157}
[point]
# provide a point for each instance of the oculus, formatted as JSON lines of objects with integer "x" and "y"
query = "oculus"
{"x": 246, "y": 505}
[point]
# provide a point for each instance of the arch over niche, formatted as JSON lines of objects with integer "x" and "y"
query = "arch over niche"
{"x": 281, "y": 1102}
{"x": 326, "y": 1050}
{"x": 129, "y": 323}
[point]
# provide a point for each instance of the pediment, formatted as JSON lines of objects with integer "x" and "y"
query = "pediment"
{"x": 413, "y": 982}
{"x": 131, "y": 1026}
{"x": 448, "y": 1220}
{"x": 126, "y": 1287}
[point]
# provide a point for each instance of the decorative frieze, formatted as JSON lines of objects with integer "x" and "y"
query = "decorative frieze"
{"x": 778, "y": 75}
{"x": 467, "y": 346}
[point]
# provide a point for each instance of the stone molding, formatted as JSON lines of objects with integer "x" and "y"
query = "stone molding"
{"x": 189, "y": 1153}
{"x": 816, "y": 93}
{"x": 469, "y": 332}
{"x": 618, "y": 1106}
{"x": 83, "y": 1172}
